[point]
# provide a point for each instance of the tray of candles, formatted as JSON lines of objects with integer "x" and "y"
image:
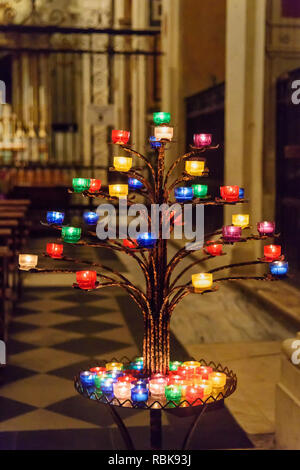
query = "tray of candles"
{"x": 188, "y": 384}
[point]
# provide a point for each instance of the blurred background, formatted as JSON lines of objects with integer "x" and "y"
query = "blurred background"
{"x": 70, "y": 72}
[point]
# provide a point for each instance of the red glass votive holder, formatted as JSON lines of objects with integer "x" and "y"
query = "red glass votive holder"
{"x": 54, "y": 250}
{"x": 86, "y": 279}
{"x": 193, "y": 393}
{"x": 213, "y": 248}
{"x": 130, "y": 243}
{"x": 230, "y": 193}
{"x": 202, "y": 140}
{"x": 174, "y": 379}
{"x": 205, "y": 371}
{"x": 120, "y": 137}
{"x": 185, "y": 372}
{"x": 272, "y": 252}
{"x": 95, "y": 185}
{"x": 126, "y": 378}
{"x": 98, "y": 370}
{"x": 266, "y": 228}
{"x": 231, "y": 233}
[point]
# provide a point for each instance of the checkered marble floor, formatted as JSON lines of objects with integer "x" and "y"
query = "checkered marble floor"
{"x": 55, "y": 332}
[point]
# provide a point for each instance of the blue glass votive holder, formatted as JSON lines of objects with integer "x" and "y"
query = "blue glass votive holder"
{"x": 90, "y": 218}
{"x": 146, "y": 240}
{"x": 241, "y": 193}
{"x": 87, "y": 378}
{"x": 141, "y": 383}
{"x": 107, "y": 385}
{"x": 55, "y": 217}
{"x": 139, "y": 394}
{"x": 154, "y": 143}
{"x": 134, "y": 183}
{"x": 114, "y": 373}
{"x": 183, "y": 194}
{"x": 279, "y": 268}
{"x": 137, "y": 365}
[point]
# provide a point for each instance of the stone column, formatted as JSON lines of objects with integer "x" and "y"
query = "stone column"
{"x": 244, "y": 107}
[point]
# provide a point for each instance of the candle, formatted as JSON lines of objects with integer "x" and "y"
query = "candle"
{"x": 183, "y": 193}
{"x": 279, "y": 268}
{"x": 80, "y": 184}
{"x": 122, "y": 163}
{"x": 213, "y": 248}
{"x": 231, "y": 233}
{"x": 195, "y": 167}
{"x": 114, "y": 366}
{"x": 137, "y": 365}
{"x": 206, "y": 386}
{"x": 193, "y": 365}
{"x": 107, "y": 384}
{"x": 154, "y": 143}
{"x": 163, "y": 133}
{"x": 272, "y": 252}
{"x": 240, "y": 220}
{"x": 87, "y": 378}
{"x": 115, "y": 373}
{"x": 141, "y": 382}
{"x": 126, "y": 378}
{"x": 139, "y": 394}
{"x": 122, "y": 390}
{"x": 120, "y": 137}
{"x": 90, "y": 218}
{"x": 184, "y": 372}
{"x": 205, "y": 371}
{"x": 266, "y": 228}
{"x": 218, "y": 379}
{"x": 134, "y": 183}
{"x": 184, "y": 385}
{"x": 95, "y": 185}
{"x": 27, "y": 262}
{"x": 173, "y": 393}
{"x": 54, "y": 250}
{"x": 157, "y": 387}
{"x": 202, "y": 140}
{"x": 202, "y": 281}
{"x": 241, "y": 193}
{"x": 130, "y": 243}
{"x": 118, "y": 190}
{"x": 54, "y": 217}
{"x": 161, "y": 118}
{"x": 147, "y": 240}
{"x": 71, "y": 234}
{"x": 98, "y": 370}
{"x": 200, "y": 190}
{"x": 193, "y": 394}
{"x": 174, "y": 365}
{"x": 86, "y": 280}
{"x": 230, "y": 193}
{"x": 175, "y": 379}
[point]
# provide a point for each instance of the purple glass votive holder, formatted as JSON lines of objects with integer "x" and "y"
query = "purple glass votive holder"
{"x": 266, "y": 228}
{"x": 231, "y": 233}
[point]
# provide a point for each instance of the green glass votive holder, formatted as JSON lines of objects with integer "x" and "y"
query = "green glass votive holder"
{"x": 200, "y": 190}
{"x": 174, "y": 365}
{"x": 80, "y": 184}
{"x": 161, "y": 118}
{"x": 98, "y": 383}
{"x": 173, "y": 393}
{"x": 71, "y": 234}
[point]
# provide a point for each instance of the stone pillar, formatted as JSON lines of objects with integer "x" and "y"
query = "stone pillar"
{"x": 171, "y": 74}
{"x": 244, "y": 107}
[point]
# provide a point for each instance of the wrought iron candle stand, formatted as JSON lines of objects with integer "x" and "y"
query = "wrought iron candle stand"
{"x": 162, "y": 293}
{"x": 182, "y": 408}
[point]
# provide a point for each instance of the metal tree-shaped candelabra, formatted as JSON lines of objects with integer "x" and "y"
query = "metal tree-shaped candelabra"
{"x": 162, "y": 293}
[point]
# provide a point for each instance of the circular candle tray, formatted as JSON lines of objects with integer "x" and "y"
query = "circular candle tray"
{"x": 213, "y": 401}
